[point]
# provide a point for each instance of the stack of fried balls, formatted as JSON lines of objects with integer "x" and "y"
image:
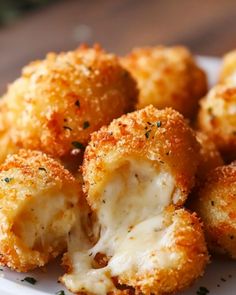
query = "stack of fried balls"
{"x": 122, "y": 166}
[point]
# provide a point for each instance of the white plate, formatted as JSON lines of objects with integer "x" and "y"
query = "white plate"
{"x": 219, "y": 278}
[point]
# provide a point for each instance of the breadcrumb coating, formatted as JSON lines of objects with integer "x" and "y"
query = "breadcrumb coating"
{"x": 210, "y": 157}
{"x": 167, "y": 77}
{"x": 138, "y": 171}
{"x": 216, "y": 205}
{"x": 217, "y": 118}
{"x": 161, "y": 136}
{"x": 187, "y": 242}
{"x": 57, "y": 102}
{"x": 38, "y": 203}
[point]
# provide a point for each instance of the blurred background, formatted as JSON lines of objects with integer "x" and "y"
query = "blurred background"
{"x": 31, "y": 28}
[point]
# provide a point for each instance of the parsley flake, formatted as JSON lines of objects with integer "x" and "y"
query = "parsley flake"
{"x": 7, "y": 179}
{"x": 223, "y": 279}
{"x": 29, "y": 280}
{"x": 86, "y": 125}
{"x": 78, "y": 145}
{"x": 159, "y": 123}
{"x": 209, "y": 110}
{"x": 147, "y": 134}
{"x": 202, "y": 291}
{"x": 61, "y": 292}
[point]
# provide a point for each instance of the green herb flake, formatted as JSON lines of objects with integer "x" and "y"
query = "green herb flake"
{"x": 147, "y": 134}
{"x": 223, "y": 279}
{"x": 61, "y": 292}
{"x": 202, "y": 291}
{"x": 209, "y": 110}
{"x": 211, "y": 114}
{"x": 7, "y": 179}
{"x": 77, "y": 103}
{"x": 29, "y": 280}
{"x": 86, "y": 125}
{"x": 159, "y": 123}
{"x": 42, "y": 169}
{"x": 78, "y": 145}
{"x": 67, "y": 128}
{"x": 1, "y": 269}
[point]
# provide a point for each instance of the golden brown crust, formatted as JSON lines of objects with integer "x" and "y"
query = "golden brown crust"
{"x": 161, "y": 136}
{"x": 189, "y": 243}
{"x": 167, "y": 77}
{"x": 217, "y": 117}
{"x": 32, "y": 232}
{"x": 57, "y": 102}
{"x": 216, "y": 205}
{"x": 210, "y": 157}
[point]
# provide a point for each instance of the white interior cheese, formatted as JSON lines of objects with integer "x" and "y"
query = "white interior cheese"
{"x": 144, "y": 248}
{"x": 134, "y": 235}
{"x": 44, "y": 218}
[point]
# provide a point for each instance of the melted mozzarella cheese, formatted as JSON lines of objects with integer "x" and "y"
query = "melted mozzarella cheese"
{"x": 85, "y": 278}
{"x": 145, "y": 248}
{"x": 44, "y": 218}
{"x": 134, "y": 233}
{"x": 134, "y": 191}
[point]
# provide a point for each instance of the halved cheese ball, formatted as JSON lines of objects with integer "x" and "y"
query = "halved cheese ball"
{"x": 38, "y": 204}
{"x": 216, "y": 205}
{"x": 167, "y": 77}
{"x": 160, "y": 138}
{"x": 217, "y": 118}
{"x": 228, "y": 70}
{"x": 137, "y": 171}
{"x": 57, "y": 102}
{"x": 210, "y": 157}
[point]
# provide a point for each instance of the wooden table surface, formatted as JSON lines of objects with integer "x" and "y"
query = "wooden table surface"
{"x": 207, "y": 27}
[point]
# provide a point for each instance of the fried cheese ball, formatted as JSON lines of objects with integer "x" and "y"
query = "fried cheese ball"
{"x": 217, "y": 118}
{"x": 38, "y": 203}
{"x": 167, "y": 77}
{"x": 228, "y": 70}
{"x": 216, "y": 205}
{"x": 210, "y": 157}
{"x": 57, "y": 102}
{"x": 138, "y": 171}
